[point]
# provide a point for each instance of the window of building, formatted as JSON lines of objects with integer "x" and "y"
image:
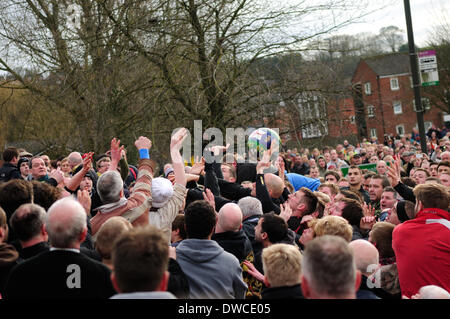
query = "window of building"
{"x": 425, "y": 104}
{"x": 370, "y": 111}
{"x": 394, "y": 84}
{"x": 397, "y": 107}
{"x": 373, "y": 132}
{"x": 400, "y": 129}
{"x": 367, "y": 88}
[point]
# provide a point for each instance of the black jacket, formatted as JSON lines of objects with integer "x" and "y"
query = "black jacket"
{"x": 284, "y": 292}
{"x": 9, "y": 171}
{"x": 236, "y": 243}
{"x": 53, "y": 275}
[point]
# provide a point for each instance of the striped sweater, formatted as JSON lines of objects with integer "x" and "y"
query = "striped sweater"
{"x": 136, "y": 207}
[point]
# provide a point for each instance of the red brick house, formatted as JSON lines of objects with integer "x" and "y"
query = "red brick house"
{"x": 384, "y": 98}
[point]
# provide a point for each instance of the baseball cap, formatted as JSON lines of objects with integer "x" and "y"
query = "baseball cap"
{"x": 162, "y": 191}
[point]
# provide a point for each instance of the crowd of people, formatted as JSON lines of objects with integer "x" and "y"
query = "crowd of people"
{"x": 364, "y": 221}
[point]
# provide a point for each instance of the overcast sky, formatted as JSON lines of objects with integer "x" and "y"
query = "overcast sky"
{"x": 425, "y": 14}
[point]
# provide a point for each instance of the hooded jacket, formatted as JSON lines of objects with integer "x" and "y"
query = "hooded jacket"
{"x": 212, "y": 272}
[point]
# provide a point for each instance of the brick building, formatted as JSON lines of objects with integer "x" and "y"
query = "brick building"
{"x": 384, "y": 98}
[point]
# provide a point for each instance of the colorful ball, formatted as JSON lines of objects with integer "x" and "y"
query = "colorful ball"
{"x": 261, "y": 139}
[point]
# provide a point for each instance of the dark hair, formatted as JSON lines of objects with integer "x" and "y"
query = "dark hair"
{"x": 352, "y": 211}
{"x": 275, "y": 227}
{"x": 179, "y": 224}
{"x": 200, "y": 219}
{"x": 30, "y": 222}
{"x": 45, "y": 194}
{"x": 408, "y": 181}
{"x": 384, "y": 180}
{"x": 310, "y": 200}
{"x": 15, "y": 193}
{"x": 10, "y": 153}
{"x": 332, "y": 173}
{"x": 348, "y": 193}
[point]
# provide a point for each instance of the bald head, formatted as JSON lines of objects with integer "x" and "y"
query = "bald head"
{"x": 275, "y": 185}
{"x": 229, "y": 218}
{"x": 66, "y": 223}
{"x": 74, "y": 159}
{"x": 433, "y": 292}
{"x": 366, "y": 255}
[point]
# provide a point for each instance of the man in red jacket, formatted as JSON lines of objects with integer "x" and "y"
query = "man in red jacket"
{"x": 422, "y": 244}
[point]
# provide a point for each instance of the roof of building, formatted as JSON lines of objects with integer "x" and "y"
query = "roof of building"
{"x": 389, "y": 64}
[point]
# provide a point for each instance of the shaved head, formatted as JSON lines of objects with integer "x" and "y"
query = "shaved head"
{"x": 275, "y": 185}
{"x": 365, "y": 254}
{"x": 229, "y": 218}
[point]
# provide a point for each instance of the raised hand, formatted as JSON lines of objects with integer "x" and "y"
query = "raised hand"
{"x": 143, "y": 143}
{"x": 177, "y": 139}
{"x": 286, "y": 211}
{"x": 198, "y": 167}
{"x": 85, "y": 200}
{"x": 209, "y": 197}
{"x": 393, "y": 172}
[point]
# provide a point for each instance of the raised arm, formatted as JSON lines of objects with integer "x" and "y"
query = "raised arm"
{"x": 177, "y": 160}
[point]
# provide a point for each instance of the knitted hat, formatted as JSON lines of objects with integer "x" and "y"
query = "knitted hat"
{"x": 162, "y": 191}
{"x": 401, "y": 212}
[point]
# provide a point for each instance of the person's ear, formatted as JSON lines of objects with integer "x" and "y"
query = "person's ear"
{"x": 266, "y": 282}
{"x": 164, "y": 282}
{"x": 114, "y": 282}
{"x": 357, "y": 280}
{"x": 305, "y": 288}
{"x": 83, "y": 235}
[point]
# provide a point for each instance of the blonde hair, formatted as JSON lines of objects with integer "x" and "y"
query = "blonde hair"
{"x": 282, "y": 265}
{"x": 333, "y": 225}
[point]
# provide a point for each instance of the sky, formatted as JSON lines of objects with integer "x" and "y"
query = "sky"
{"x": 425, "y": 14}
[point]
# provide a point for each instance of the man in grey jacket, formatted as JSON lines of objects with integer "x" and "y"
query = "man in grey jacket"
{"x": 212, "y": 272}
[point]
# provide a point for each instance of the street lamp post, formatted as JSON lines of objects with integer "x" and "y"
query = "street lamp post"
{"x": 415, "y": 77}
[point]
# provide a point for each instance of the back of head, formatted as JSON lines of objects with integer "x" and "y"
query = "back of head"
{"x": 200, "y": 219}
{"x": 275, "y": 227}
{"x": 45, "y": 194}
{"x": 433, "y": 292}
{"x": 10, "y": 153}
{"x": 329, "y": 267}
{"x": 140, "y": 258}
{"x": 275, "y": 184}
{"x": 432, "y": 195}
{"x": 333, "y": 225}
{"x": 229, "y": 218}
{"x": 179, "y": 224}
{"x": 110, "y": 230}
{"x": 15, "y": 193}
{"x": 250, "y": 206}
{"x": 27, "y": 221}
{"x": 381, "y": 237}
{"x": 66, "y": 221}
{"x": 109, "y": 186}
{"x": 352, "y": 211}
{"x": 282, "y": 264}
{"x": 365, "y": 254}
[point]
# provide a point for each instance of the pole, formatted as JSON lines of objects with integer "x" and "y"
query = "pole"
{"x": 415, "y": 76}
